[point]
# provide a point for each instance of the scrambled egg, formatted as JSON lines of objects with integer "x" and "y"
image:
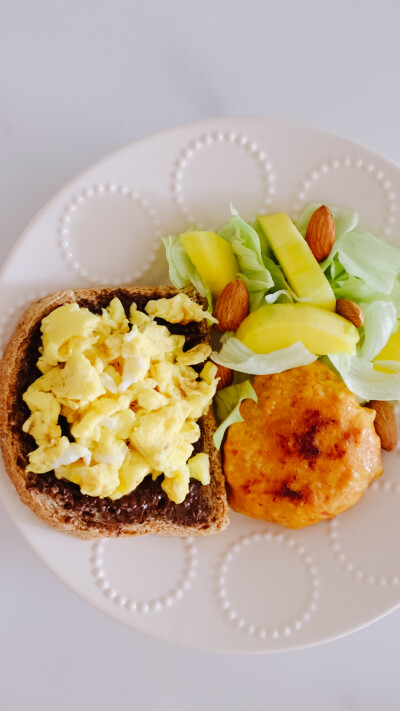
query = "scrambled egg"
{"x": 129, "y": 394}
{"x": 182, "y": 310}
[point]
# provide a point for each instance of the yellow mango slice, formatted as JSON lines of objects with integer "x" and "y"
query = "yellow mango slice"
{"x": 213, "y": 258}
{"x": 390, "y": 352}
{"x": 276, "y": 326}
{"x": 299, "y": 265}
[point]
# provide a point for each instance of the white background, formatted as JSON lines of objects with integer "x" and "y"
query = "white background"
{"x": 78, "y": 80}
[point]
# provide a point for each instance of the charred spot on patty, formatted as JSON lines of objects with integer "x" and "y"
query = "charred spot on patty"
{"x": 289, "y": 493}
{"x": 314, "y": 423}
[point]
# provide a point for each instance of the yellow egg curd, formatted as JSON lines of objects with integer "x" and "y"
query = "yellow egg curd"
{"x": 129, "y": 394}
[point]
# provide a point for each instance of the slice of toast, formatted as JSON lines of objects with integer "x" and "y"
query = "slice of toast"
{"x": 59, "y": 502}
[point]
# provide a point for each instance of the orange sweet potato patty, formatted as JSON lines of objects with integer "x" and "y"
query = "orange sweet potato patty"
{"x": 305, "y": 452}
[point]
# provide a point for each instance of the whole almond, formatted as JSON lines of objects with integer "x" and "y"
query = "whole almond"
{"x": 350, "y": 310}
{"x": 385, "y": 423}
{"x": 232, "y": 306}
{"x": 225, "y": 376}
{"x": 320, "y": 234}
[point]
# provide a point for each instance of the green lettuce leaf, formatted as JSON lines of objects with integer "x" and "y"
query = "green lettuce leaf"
{"x": 365, "y": 382}
{"x": 365, "y": 256}
{"x": 380, "y": 321}
{"x": 266, "y": 249}
{"x": 227, "y": 407}
{"x": 334, "y": 270}
{"x": 280, "y": 296}
{"x": 346, "y": 286}
{"x": 234, "y": 354}
{"x": 280, "y": 284}
{"x": 245, "y": 243}
{"x": 182, "y": 271}
{"x": 281, "y": 291}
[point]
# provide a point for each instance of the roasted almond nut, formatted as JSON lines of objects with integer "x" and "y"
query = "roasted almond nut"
{"x": 320, "y": 234}
{"x": 233, "y": 305}
{"x": 225, "y": 376}
{"x": 350, "y": 310}
{"x": 385, "y": 423}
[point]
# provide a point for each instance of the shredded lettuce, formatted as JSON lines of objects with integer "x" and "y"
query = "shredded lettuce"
{"x": 380, "y": 321}
{"x": 245, "y": 243}
{"x": 280, "y": 284}
{"x": 395, "y": 296}
{"x": 281, "y": 290}
{"x": 363, "y": 380}
{"x": 182, "y": 271}
{"x": 365, "y": 256}
{"x": 336, "y": 271}
{"x": 227, "y": 407}
{"x": 280, "y": 295}
{"x": 234, "y": 354}
{"x": 346, "y": 286}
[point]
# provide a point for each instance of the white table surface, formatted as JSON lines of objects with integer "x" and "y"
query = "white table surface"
{"x": 78, "y": 79}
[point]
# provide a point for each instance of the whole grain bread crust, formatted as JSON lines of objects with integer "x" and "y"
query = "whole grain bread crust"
{"x": 205, "y": 510}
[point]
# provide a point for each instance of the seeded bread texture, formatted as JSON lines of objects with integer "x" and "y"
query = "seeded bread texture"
{"x": 61, "y": 503}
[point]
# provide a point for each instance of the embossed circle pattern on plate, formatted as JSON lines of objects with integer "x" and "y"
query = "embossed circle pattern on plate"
{"x": 147, "y": 574}
{"x": 288, "y": 614}
{"x": 233, "y": 160}
{"x": 349, "y": 551}
{"x": 103, "y": 227}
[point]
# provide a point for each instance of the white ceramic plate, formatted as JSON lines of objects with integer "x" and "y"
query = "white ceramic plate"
{"x": 256, "y": 587}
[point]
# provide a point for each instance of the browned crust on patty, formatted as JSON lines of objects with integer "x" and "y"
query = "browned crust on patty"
{"x": 60, "y": 503}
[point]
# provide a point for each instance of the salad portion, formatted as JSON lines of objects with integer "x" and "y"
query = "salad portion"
{"x": 318, "y": 288}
